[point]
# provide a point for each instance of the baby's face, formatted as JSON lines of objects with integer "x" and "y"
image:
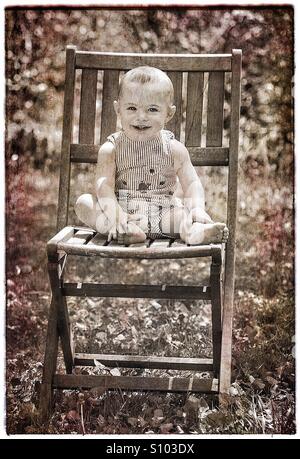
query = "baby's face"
{"x": 144, "y": 109}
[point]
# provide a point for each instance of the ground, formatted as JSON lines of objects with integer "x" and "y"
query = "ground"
{"x": 262, "y": 394}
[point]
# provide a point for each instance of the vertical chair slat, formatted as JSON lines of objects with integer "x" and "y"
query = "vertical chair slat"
{"x": 64, "y": 180}
{"x": 215, "y": 109}
{"x": 110, "y": 93}
{"x": 175, "y": 123}
{"x": 194, "y": 109}
{"x": 88, "y": 106}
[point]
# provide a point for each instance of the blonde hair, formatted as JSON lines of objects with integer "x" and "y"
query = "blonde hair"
{"x": 146, "y": 74}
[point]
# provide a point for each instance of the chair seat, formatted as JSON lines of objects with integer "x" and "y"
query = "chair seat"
{"x": 74, "y": 240}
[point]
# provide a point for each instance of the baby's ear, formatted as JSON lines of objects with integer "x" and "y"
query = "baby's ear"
{"x": 171, "y": 112}
{"x": 116, "y": 107}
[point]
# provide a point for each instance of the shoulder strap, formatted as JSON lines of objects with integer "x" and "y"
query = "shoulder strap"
{"x": 114, "y": 137}
{"x": 166, "y": 136}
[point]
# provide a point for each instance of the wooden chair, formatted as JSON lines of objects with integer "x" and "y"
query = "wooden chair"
{"x": 84, "y": 242}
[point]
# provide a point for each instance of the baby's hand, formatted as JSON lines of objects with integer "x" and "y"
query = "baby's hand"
{"x": 119, "y": 227}
{"x": 199, "y": 215}
{"x": 133, "y": 234}
{"x": 126, "y": 231}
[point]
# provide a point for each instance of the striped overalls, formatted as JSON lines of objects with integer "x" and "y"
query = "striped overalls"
{"x": 145, "y": 178}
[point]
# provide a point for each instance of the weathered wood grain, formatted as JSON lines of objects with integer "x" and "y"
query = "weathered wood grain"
{"x": 215, "y": 109}
{"x": 216, "y": 312}
{"x": 117, "y": 251}
{"x": 88, "y": 106}
{"x": 62, "y": 236}
{"x": 209, "y": 156}
{"x": 174, "y": 124}
{"x": 98, "y": 239}
{"x": 81, "y": 237}
{"x": 50, "y": 361}
{"x": 160, "y": 243}
{"x": 225, "y": 369}
{"x": 67, "y": 133}
{"x": 110, "y": 93}
{"x": 136, "y": 361}
{"x": 136, "y": 291}
{"x": 136, "y": 383}
{"x": 194, "y": 109}
{"x": 63, "y": 321}
{"x": 166, "y": 62}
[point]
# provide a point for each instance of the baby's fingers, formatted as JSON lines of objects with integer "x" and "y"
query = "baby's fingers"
{"x": 122, "y": 227}
{"x": 112, "y": 234}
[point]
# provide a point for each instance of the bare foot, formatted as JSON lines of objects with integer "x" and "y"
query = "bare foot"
{"x": 207, "y": 233}
{"x": 133, "y": 235}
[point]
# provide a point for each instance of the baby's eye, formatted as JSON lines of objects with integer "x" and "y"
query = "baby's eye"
{"x": 153, "y": 109}
{"x": 131, "y": 108}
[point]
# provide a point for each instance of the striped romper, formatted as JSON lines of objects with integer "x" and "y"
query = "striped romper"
{"x": 145, "y": 179}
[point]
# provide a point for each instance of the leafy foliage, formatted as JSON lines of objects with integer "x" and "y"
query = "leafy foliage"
{"x": 262, "y": 394}
{"x": 35, "y": 42}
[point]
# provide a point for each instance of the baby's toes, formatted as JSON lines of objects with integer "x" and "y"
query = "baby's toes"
{"x": 225, "y": 234}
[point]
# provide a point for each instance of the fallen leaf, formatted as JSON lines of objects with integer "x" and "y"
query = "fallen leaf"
{"x": 271, "y": 381}
{"x": 115, "y": 372}
{"x": 233, "y": 391}
{"x": 216, "y": 418}
{"x": 179, "y": 430}
{"x": 174, "y": 265}
{"x": 259, "y": 384}
{"x": 141, "y": 421}
{"x": 132, "y": 421}
{"x": 120, "y": 337}
{"x": 26, "y": 269}
{"x": 99, "y": 365}
{"x": 158, "y": 414}
{"x": 155, "y": 304}
{"x": 73, "y": 415}
{"x": 165, "y": 428}
{"x": 10, "y": 283}
{"x": 102, "y": 336}
{"x": 192, "y": 404}
{"x": 101, "y": 420}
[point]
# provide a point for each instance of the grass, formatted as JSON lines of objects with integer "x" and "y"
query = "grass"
{"x": 262, "y": 394}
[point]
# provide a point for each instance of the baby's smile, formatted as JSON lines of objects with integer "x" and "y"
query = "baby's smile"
{"x": 140, "y": 127}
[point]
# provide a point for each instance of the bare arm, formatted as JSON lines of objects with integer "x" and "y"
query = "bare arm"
{"x": 193, "y": 191}
{"x": 105, "y": 185}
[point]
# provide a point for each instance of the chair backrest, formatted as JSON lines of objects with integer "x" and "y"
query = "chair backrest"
{"x": 202, "y": 71}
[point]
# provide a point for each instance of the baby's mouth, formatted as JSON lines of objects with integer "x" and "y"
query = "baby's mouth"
{"x": 141, "y": 128}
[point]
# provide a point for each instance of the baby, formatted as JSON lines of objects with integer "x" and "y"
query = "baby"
{"x": 146, "y": 185}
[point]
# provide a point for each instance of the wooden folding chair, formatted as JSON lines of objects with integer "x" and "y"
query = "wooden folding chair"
{"x": 84, "y": 242}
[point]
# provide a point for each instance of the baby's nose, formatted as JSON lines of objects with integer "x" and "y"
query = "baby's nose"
{"x": 142, "y": 115}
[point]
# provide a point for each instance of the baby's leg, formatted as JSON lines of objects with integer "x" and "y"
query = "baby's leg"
{"x": 171, "y": 221}
{"x": 203, "y": 233}
{"x": 89, "y": 212}
{"x": 176, "y": 221}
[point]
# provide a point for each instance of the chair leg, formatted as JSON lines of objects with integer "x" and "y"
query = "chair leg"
{"x": 227, "y": 316}
{"x": 226, "y": 346}
{"x": 216, "y": 312}
{"x": 63, "y": 321}
{"x": 50, "y": 362}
